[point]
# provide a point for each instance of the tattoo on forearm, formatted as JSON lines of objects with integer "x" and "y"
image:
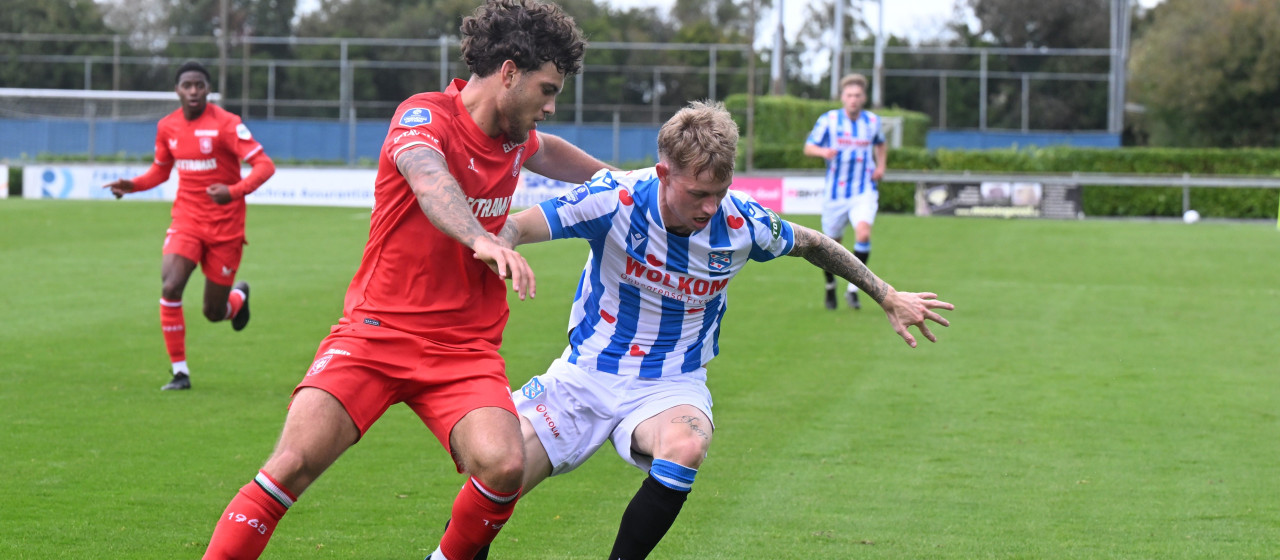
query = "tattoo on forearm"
{"x": 694, "y": 424}
{"x": 439, "y": 195}
{"x": 510, "y": 232}
{"x": 828, "y": 255}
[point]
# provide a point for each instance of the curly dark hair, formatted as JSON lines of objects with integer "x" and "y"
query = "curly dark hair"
{"x": 527, "y": 32}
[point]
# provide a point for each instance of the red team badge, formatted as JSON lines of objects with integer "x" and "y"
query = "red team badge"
{"x": 318, "y": 365}
{"x": 625, "y": 197}
{"x": 735, "y": 222}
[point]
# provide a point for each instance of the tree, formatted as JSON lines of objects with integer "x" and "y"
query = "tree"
{"x": 78, "y": 17}
{"x": 1209, "y": 73}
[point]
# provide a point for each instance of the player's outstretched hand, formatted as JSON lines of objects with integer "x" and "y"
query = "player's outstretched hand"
{"x": 219, "y": 192}
{"x": 120, "y": 187}
{"x": 507, "y": 263}
{"x": 905, "y": 309}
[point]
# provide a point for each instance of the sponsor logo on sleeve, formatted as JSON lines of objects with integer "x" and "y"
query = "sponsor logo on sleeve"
{"x": 775, "y": 223}
{"x": 242, "y": 132}
{"x": 416, "y": 117}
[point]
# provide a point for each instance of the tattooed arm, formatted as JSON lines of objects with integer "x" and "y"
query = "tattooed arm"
{"x": 440, "y": 197}
{"x": 832, "y": 257}
{"x": 903, "y": 309}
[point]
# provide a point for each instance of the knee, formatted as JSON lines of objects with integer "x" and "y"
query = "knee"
{"x": 686, "y": 451}
{"x": 501, "y": 469}
{"x": 290, "y": 468}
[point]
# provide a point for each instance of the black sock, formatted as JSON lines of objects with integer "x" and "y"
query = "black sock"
{"x": 831, "y": 278}
{"x": 650, "y": 513}
{"x": 862, "y": 255}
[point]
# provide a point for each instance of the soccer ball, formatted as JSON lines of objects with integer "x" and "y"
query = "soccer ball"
{"x": 1190, "y": 217}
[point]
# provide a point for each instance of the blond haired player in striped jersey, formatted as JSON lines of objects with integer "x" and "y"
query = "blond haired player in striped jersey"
{"x": 665, "y": 243}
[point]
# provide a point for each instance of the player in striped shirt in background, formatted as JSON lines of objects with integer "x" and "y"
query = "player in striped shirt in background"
{"x": 665, "y": 242}
{"x": 851, "y": 141}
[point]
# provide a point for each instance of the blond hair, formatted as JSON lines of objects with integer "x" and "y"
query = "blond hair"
{"x": 853, "y": 80}
{"x": 700, "y": 138}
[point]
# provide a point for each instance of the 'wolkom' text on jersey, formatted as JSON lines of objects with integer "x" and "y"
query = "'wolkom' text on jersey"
{"x": 649, "y": 303}
{"x": 849, "y": 173}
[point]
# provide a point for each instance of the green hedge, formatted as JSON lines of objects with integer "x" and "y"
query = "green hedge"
{"x": 15, "y": 181}
{"x": 783, "y": 122}
{"x": 1096, "y": 200}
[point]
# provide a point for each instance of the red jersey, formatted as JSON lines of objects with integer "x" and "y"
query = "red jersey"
{"x": 413, "y": 277}
{"x": 205, "y": 151}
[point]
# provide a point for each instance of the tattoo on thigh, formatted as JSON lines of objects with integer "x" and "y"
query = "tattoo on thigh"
{"x": 694, "y": 424}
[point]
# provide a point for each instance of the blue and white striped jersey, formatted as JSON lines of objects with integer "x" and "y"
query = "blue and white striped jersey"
{"x": 849, "y": 173}
{"x": 649, "y": 303}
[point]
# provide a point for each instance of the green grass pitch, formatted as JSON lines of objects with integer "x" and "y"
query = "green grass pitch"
{"x": 1108, "y": 389}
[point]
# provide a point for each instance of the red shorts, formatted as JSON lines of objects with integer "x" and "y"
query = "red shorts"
{"x": 369, "y": 368}
{"x": 219, "y": 260}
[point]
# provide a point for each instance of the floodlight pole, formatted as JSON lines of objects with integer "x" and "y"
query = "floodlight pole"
{"x": 776, "y": 85}
{"x": 877, "y": 82}
{"x": 837, "y": 49}
{"x": 222, "y": 47}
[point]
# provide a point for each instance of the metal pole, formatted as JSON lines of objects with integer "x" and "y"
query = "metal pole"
{"x": 222, "y": 48}
{"x": 351, "y": 138}
{"x": 444, "y": 62}
{"x": 982, "y": 93}
{"x": 751, "y": 88}
{"x": 837, "y": 48}
{"x": 91, "y": 111}
{"x": 344, "y": 82}
{"x": 577, "y": 98}
{"x": 776, "y": 84}
{"x": 942, "y": 101}
{"x": 271, "y": 90}
{"x": 617, "y": 136}
{"x": 115, "y": 75}
{"x": 711, "y": 87}
{"x": 1026, "y": 102}
{"x": 656, "y": 77}
{"x": 877, "y": 84}
{"x": 88, "y": 73}
{"x": 244, "y": 78}
{"x": 1111, "y": 76}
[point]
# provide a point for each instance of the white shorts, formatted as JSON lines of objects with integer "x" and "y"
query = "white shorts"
{"x": 574, "y": 410}
{"x": 838, "y": 214}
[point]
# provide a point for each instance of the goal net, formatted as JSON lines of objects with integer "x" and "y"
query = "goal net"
{"x": 23, "y": 103}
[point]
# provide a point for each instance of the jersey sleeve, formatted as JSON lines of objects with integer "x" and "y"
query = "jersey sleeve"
{"x": 772, "y": 236}
{"x": 239, "y": 140}
{"x": 415, "y": 125}
{"x": 821, "y": 133}
{"x": 877, "y": 135}
{"x": 587, "y": 210}
{"x": 163, "y": 155}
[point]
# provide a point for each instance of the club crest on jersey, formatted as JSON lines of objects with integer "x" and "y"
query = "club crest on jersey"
{"x": 719, "y": 261}
{"x": 416, "y": 117}
{"x": 577, "y": 195}
{"x": 318, "y": 365}
{"x": 532, "y": 389}
{"x": 206, "y": 145}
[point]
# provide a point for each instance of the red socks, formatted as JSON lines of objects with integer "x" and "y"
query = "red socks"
{"x": 249, "y": 521}
{"x": 234, "y": 301}
{"x": 175, "y": 329}
{"x": 478, "y": 514}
